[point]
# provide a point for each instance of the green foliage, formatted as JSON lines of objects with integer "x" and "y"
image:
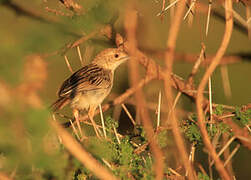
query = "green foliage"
{"x": 224, "y": 128}
{"x": 82, "y": 177}
{"x": 26, "y": 145}
{"x": 202, "y": 176}
{"x": 162, "y": 138}
{"x": 121, "y": 155}
{"x": 212, "y": 129}
{"x": 244, "y": 117}
{"x": 191, "y": 130}
{"x": 218, "y": 110}
{"x": 125, "y": 159}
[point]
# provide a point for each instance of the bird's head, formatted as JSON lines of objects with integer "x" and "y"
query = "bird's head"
{"x": 110, "y": 58}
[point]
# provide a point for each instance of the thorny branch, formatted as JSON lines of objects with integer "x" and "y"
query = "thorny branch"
{"x": 81, "y": 154}
{"x": 155, "y": 71}
{"x": 199, "y": 101}
{"x": 169, "y": 58}
{"x": 240, "y": 133}
{"x": 130, "y": 26}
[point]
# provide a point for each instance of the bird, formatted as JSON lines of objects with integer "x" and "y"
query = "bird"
{"x": 86, "y": 88}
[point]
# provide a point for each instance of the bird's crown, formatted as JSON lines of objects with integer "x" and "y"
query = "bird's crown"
{"x": 110, "y": 58}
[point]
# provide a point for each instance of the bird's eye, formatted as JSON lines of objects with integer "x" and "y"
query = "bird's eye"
{"x": 116, "y": 55}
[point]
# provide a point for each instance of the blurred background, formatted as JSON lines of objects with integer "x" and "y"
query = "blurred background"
{"x": 33, "y": 34}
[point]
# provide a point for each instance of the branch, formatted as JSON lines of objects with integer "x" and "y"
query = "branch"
{"x": 130, "y": 27}
{"x": 81, "y": 154}
{"x": 35, "y": 15}
{"x": 199, "y": 101}
{"x": 240, "y": 133}
{"x": 169, "y": 57}
{"x": 20, "y": 10}
{"x": 191, "y": 58}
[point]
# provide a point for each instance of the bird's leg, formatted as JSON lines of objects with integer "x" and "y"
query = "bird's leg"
{"x": 91, "y": 115}
{"x": 76, "y": 116}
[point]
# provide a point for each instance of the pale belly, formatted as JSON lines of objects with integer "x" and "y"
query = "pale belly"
{"x": 89, "y": 99}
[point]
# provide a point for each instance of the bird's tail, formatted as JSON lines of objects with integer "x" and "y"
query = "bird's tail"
{"x": 59, "y": 104}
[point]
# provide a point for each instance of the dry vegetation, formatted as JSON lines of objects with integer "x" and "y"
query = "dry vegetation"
{"x": 213, "y": 128}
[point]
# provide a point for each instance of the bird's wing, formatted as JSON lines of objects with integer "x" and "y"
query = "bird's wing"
{"x": 90, "y": 77}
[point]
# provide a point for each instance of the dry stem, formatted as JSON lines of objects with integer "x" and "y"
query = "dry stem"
{"x": 81, "y": 154}
{"x": 130, "y": 26}
{"x": 171, "y": 43}
{"x": 199, "y": 101}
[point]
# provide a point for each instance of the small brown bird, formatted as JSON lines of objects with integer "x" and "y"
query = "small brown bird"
{"x": 89, "y": 86}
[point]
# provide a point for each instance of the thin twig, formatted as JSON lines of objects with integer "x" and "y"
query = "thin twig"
{"x": 107, "y": 163}
{"x": 102, "y": 119}
{"x": 87, "y": 123}
{"x": 141, "y": 148}
{"x": 80, "y": 56}
{"x": 130, "y": 27}
{"x": 201, "y": 169}
{"x": 225, "y": 81}
{"x": 232, "y": 154}
{"x": 74, "y": 130}
{"x": 191, "y": 16}
{"x": 116, "y": 134}
{"x": 224, "y": 148}
{"x": 197, "y": 64}
{"x": 199, "y": 101}
{"x": 163, "y": 7}
{"x": 248, "y": 128}
{"x": 170, "y": 5}
{"x": 226, "y": 154}
{"x": 101, "y": 31}
{"x": 76, "y": 116}
{"x": 68, "y": 64}
{"x": 237, "y": 17}
{"x": 169, "y": 56}
{"x": 210, "y": 102}
{"x": 208, "y": 15}
{"x": 128, "y": 114}
{"x": 158, "y": 115}
{"x": 190, "y": 9}
{"x": 88, "y": 53}
{"x": 59, "y": 138}
{"x": 241, "y": 133}
{"x": 243, "y": 138}
{"x": 174, "y": 103}
{"x": 174, "y": 172}
{"x": 191, "y": 155}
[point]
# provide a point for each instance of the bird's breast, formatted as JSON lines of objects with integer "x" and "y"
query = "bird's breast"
{"x": 89, "y": 98}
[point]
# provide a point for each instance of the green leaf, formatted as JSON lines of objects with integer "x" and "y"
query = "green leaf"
{"x": 243, "y": 116}
{"x": 203, "y": 176}
{"x": 219, "y": 110}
